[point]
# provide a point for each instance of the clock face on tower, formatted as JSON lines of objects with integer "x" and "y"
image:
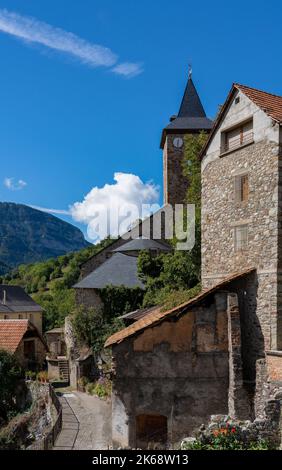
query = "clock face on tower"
{"x": 177, "y": 142}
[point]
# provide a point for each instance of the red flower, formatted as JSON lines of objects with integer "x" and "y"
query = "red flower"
{"x": 233, "y": 430}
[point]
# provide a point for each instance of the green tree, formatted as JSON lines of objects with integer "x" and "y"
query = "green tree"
{"x": 173, "y": 275}
{"x": 92, "y": 328}
{"x": 11, "y": 375}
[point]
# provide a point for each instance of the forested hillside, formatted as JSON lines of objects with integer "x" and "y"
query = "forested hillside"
{"x": 50, "y": 282}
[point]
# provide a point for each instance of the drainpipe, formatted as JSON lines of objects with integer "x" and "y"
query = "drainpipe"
{"x": 4, "y": 297}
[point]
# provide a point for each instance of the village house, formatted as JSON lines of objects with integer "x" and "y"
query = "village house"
{"x": 22, "y": 339}
{"x": 221, "y": 352}
{"x": 119, "y": 268}
{"x": 15, "y": 303}
{"x": 57, "y": 363}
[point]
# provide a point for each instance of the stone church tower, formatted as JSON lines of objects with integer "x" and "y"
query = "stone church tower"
{"x": 191, "y": 119}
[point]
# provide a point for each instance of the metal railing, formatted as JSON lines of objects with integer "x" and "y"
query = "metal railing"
{"x": 238, "y": 142}
{"x": 48, "y": 441}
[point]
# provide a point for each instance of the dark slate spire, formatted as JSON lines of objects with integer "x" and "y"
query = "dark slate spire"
{"x": 191, "y": 117}
{"x": 191, "y": 105}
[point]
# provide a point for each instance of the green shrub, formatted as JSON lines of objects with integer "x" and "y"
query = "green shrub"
{"x": 11, "y": 377}
{"x": 102, "y": 388}
{"x": 226, "y": 437}
{"x": 93, "y": 328}
{"x": 82, "y": 383}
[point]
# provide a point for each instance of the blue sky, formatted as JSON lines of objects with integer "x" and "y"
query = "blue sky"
{"x": 68, "y": 125}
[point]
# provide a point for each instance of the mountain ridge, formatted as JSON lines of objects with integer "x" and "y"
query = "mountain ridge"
{"x": 28, "y": 235}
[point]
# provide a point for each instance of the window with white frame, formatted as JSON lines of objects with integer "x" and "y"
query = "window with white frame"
{"x": 241, "y": 237}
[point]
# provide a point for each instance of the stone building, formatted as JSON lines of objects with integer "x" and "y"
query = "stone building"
{"x": 174, "y": 369}
{"x": 57, "y": 363}
{"x": 15, "y": 303}
{"x": 241, "y": 211}
{"x": 119, "y": 268}
{"x": 22, "y": 339}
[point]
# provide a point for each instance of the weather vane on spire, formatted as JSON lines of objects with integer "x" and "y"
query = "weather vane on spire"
{"x": 190, "y": 71}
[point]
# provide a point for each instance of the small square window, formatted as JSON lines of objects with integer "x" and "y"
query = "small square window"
{"x": 241, "y": 237}
{"x": 241, "y": 188}
{"x": 237, "y": 100}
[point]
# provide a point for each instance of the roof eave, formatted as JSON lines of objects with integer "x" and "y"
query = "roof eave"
{"x": 218, "y": 119}
{"x": 185, "y": 307}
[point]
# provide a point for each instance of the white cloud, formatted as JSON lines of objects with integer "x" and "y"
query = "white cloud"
{"x": 128, "y": 69}
{"x": 112, "y": 203}
{"x": 31, "y": 30}
{"x": 52, "y": 211}
{"x": 13, "y": 185}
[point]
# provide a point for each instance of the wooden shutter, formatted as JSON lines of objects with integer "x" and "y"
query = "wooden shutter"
{"x": 244, "y": 188}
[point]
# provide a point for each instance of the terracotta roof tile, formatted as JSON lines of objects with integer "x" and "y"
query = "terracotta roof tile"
{"x": 157, "y": 315}
{"x": 11, "y": 333}
{"x": 269, "y": 103}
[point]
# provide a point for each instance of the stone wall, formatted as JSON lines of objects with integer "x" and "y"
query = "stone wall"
{"x": 34, "y": 317}
{"x": 178, "y": 369}
{"x": 88, "y": 297}
{"x": 248, "y": 433}
{"x": 40, "y": 353}
{"x": 221, "y": 213}
{"x": 175, "y": 183}
{"x": 274, "y": 365}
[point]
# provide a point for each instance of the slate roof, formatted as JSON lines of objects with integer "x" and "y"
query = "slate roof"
{"x": 118, "y": 270}
{"x": 17, "y": 300}
{"x": 12, "y": 333}
{"x": 269, "y": 103}
{"x": 191, "y": 115}
{"x": 139, "y": 244}
{"x": 191, "y": 105}
{"x": 55, "y": 330}
{"x": 157, "y": 316}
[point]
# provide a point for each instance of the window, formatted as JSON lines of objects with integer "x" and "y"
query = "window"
{"x": 150, "y": 428}
{"x": 29, "y": 349}
{"x": 241, "y": 188}
{"x": 20, "y": 317}
{"x": 241, "y": 237}
{"x": 236, "y": 137}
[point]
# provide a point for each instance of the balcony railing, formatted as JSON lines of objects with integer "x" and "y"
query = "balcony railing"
{"x": 238, "y": 142}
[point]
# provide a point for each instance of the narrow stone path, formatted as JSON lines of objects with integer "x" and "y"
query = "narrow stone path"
{"x": 70, "y": 427}
{"x": 86, "y": 423}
